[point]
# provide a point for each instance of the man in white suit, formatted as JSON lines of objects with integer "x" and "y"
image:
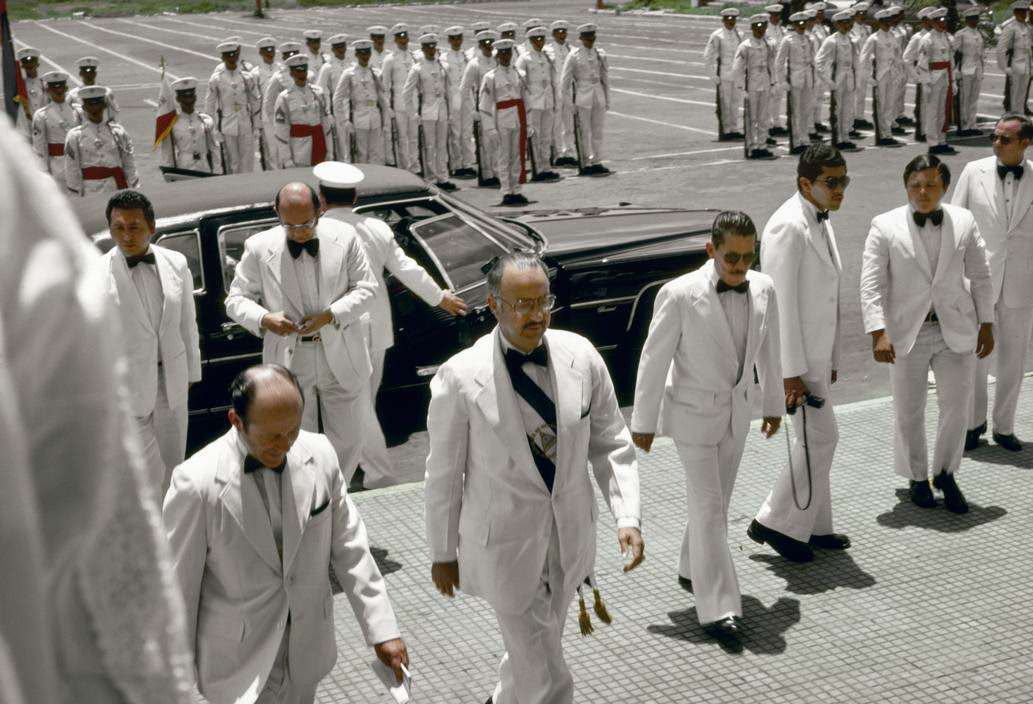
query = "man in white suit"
{"x": 253, "y": 519}
{"x": 337, "y": 191}
{"x": 303, "y": 287}
{"x": 510, "y": 511}
{"x": 927, "y": 302}
{"x": 999, "y": 191}
{"x": 798, "y": 251}
{"x": 709, "y": 328}
{"x": 153, "y": 290}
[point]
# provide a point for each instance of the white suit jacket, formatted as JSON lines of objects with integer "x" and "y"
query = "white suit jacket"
{"x": 238, "y": 591}
{"x": 689, "y": 362}
{"x": 1009, "y": 240}
{"x": 174, "y": 343}
{"x": 485, "y": 500}
{"x": 383, "y": 252}
{"x": 264, "y": 283}
{"x": 806, "y": 273}
{"x": 898, "y": 288}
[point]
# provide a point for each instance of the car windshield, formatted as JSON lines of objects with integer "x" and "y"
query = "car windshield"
{"x": 458, "y": 248}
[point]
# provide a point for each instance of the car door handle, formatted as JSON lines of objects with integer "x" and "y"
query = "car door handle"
{"x": 430, "y": 370}
{"x": 605, "y": 309}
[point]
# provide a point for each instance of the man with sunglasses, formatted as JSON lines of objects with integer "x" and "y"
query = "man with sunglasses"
{"x": 514, "y": 421}
{"x": 798, "y": 251}
{"x": 302, "y": 287}
{"x": 710, "y": 328}
{"x": 998, "y": 190}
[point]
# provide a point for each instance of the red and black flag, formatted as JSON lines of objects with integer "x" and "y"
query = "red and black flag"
{"x": 14, "y": 85}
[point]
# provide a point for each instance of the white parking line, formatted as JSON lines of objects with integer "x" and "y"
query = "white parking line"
{"x": 212, "y": 26}
{"x": 659, "y": 73}
{"x": 166, "y": 30}
{"x": 151, "y": 41}
{"x": 692, "y": 153}
{"x": 688, "y": 128}
{"x": 128, "y": 59}
{"x": 663, "y": 97}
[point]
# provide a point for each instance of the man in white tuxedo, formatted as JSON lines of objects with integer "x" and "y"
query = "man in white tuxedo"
{"x": 337, "y": 192}
{"x": 253, "y": 519}
{"x": 999, "y": 191}
{"x": 303, "y": 287}
{"x": 153, "y": 290}
{"x": 709, "y": 328}
{"x": 510, "y": 511}
{"x": 927, "y": 302}
{"x": 798, "y": 251}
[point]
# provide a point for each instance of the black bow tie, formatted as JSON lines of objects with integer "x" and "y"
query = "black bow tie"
{"x": 1016, "y": 171}
{"x": 741, "y": 288}
{"x": 253, "y": 465}
{"x": 821, "y": 215}
{"x": 147, "y": 258}
{"x": 311, "y": 246}
{"x": 936, "y": 216}
{"x": 539, "y": 356}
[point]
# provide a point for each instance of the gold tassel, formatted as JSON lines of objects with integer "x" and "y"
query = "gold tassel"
{"x": 600, "y": 608}
{"x": 584, "y": 621}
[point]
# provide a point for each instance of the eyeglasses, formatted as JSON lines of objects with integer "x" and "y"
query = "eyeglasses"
{"x": 303, "y": 226}
{"x": 525, "y": 306}
{"x": 1002, "y": 138}
{"x": 733, "y": 258}
{"x": 834, "y": 182}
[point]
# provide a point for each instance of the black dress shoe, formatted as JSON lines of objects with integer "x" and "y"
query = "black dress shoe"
{"x": 508, "y": 199}
{"x": 727, "y": 632}
{"x": 464, "y": 173}
{"x": 789, "y": 548}
{"x": 685, "y": 583}
{"x": 953, "y": 499}
{"x": 862, "y": 124}
{"x": 888, "y": 142}
{"x": 1008, "y": 442}
{"x": 942, "y": 149}
{"x": 854, "y": 134}
{"x": 898, "y": 130}
{"x": 832, "y": 541}
{"x": 566, "y": 161}
{"x": 489, "y": 701}
{"x": 921, "y": 494}
{"x": 519, "y": 199}
{"x": 737, "y": 135}
{"x": 972, "y": 437}
{"x": 824, "y": 129}
{"x": 492, "y": 182}
{"x": 798, "y": 149}
{"x": 771, "y": 142}
{"x": 814, "y": 137}
{"x": 358, "y": 481}
{"x": 906, "y": 121}
{"x": 779, "y": 131}
{"x": 846, "y": 146}
{"x": 600, "y": 169}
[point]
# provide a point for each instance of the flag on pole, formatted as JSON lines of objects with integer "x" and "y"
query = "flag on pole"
{"x": 14, "y": 83}
{"x": 167, "y": 114}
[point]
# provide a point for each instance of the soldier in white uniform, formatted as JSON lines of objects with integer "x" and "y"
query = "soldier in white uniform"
{"x": 377, "y": 33}
{"x": 425, "y": 95}
{"x": 504, "y": 121}
{"x": 718, "y": 57}
{"x": 475, "y": 29}
{"x": 313, "y": 46}
{"x": 1014, "y": 45}
{"x": 968, "y": 47}
{"x": 587, "y": 74}
{"x": 818, "y": 32}
{"x": 479, "y": 65}
{"x": 301, "y": 119}
{"x": 882, "y": 61}
{"x": 360, "y": 107}
{"x": 903, "y": 33}
{"x": 263, "y": 73}
{"x": 278, "y": 82}
{"x": 535, "y": 67}
{"x": 193, "y": 143}
{"x": 51, "y": 123}
{"x": 98, "y": 153}
{"x": 794, "y": 69}
{"x": 507, "y": 30}
{"x": 860, "y": 33}
{"x": 28, "y": 59}
{"x": 563, "y": 125}
{"x": 774, "y": 35}
{"x": 935, "y": 67}
{"x": 88, "y": 66}
{"x": 460, "y": 118}
{"x": 533, "y": 23}
{"x": 914, "y": 75}
{"x": 235, "y": 102}
{"x": 402, "y": 132}
{"x": 837, "y": 67}
{"x": 327, "y": 79}
{"x": 752, "y": 68}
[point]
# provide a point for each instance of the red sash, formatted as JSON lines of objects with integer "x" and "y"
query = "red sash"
{"x": 948, "y": 113}
{"x": 318, "y": 140}
{"x": 55, "y": 149}
{"x": 522, "y": 117}
{"x": 98, "y": 173}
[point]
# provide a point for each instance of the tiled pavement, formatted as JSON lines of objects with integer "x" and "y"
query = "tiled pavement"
{"x": 926, "y": 607}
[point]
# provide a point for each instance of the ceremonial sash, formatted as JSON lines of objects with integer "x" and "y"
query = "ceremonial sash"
{"x": 318, "y": 140}
{"x": 99, "y": 173}
{"x": 55, "y": 149}
{"x": 522, "y": 117}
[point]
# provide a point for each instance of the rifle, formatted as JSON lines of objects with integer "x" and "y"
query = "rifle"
{"x": 919, "y": 131}
{"x": 421, "y": 140}
{"x": 261, "y": 152}
{"x": 581, "y": 169}
{"x": 875, "y": 95}
{"x": 789, "y": 105}
{"x": 529, "y": 147}
{"x": 957, "y": 94}
{"x": 717, "y": 88}
{"x": 833, "y": 104}
{"x": 746, "y": 116}
{"x": 353, "y": 150}
{"x": 222, "y": 143}
{"x": 1007, "y": 79}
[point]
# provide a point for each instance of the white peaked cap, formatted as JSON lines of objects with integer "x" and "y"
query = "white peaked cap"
{"x": 337, "y": 174}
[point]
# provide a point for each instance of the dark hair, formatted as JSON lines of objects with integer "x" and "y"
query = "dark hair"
{"x": 338, "y": 196}
{"x": 731, "y": 222}
{"x": 130, "y": 200}
{"x": 312, "y": 192}
{"x": 245, "y": 386}
{"x": 816, "y": 157}
{"x": 1026, "y": 130}
{"x": 923, "y": 162}
{"x": 518, "y": 260}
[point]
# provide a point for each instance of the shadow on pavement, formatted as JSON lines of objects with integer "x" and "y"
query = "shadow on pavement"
{"x": 830, "y": 570}
{"x": 385, "y": 564}
{"x": 992, "y": 454}
{"x": 906, "y": 514}
{"x": 764, "y": 627}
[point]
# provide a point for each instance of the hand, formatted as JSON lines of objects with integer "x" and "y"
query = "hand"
{"x": 985, "y": 341}
{"x": 796, "y": 391}
{"x": 873, "y": 82}
{"x": 278, "y": 324}
{"x": 770, "y": 425}
{"x": 630, "y": 539}
{"x": 453, "y": 304}
{"x": 394, "y": 654}
{"x": 311, "y": 323}
{"x": 882, "y": 348}
{"x": 347, "y": 126}
{"x": 834, "y": 377}
{"x": 643, "y": 441}
{"x": 446, "y": 577}
{"x": 716, "y": 80}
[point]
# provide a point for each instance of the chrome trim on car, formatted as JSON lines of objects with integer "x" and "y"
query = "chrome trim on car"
{"x": 232, "y": 358}
{"x": 600, "y": 302}
{"x": 200, "y": 252}
{"x": 430, "y": 370}
{"x": 634, "y": 307}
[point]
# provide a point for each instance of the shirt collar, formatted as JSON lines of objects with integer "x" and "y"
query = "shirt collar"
{"x": 809, "y": 209}
{"x": 507, "y": 345}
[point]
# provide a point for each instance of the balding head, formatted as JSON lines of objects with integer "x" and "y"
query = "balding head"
{"x": 298, "y": 206}
{"x": 267, "y": 408}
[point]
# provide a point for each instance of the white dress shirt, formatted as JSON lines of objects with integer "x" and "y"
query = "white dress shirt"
{"x": 148, "y": 285}
{"x": 1008, "y": 186}
{"x": 535, "y": 426}
{"x": 306, "y": 268}
{"x": 931, "y": 235}
{"x": 736, "y": 307}
{"x": 270, "y": 488}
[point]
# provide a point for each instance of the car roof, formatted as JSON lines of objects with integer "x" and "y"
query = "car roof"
{"x": 221, "y": 193}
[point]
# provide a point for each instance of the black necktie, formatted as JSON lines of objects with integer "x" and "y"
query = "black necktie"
{"x": 821, "y": 215}
{"x": 538, "y": 400}
{"x": 311, "y": 246}
{"x": 936, "y": 216}
{"x": 741, "y": 288}
{"x": 253, "y": 465}
{"x": 147, "y": 258}
{"x": 1016, "y": 171}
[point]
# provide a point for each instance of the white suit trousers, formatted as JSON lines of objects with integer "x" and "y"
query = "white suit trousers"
{"x": 435, "y": 150}
{"x": 563, "y": 130}
{"x": 1011, "y": 335}
{"x": 343, "y": 411}
{"x": 779, "y": 511}
{"x": 970, "y": 87}
{"x": 845, "y": 104}
{"x": 710, "y": 472}
{"x": 240, "y": 151}
{"x": 1017, "y": 93}
{"x": 460, "y": 141}
{"x": 489, "y": 145}
{"x": 757, "y": 129}
{"x": 934, "y": 108}
{"x": 279, "y": 687}
{"x": 406, "y": 149}
{"x": 163, "y": 438}
{"x": 801, "y": 106}
{"x": 532, "y": 670}
{"x": 375, "y": 461}
{"x": 861, "y": 97}
{"x": 910, "y": 375}
{"x": 592, "y": 122}
{"x": 539, "y": 138}
{"x": 507, "y": 159}
{"x": 886, "y": 117}
{"x": 731, "y": 101}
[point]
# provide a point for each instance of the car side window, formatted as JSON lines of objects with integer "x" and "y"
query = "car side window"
{"x": 189, "y": 245}
{"x": 231, "y": 245}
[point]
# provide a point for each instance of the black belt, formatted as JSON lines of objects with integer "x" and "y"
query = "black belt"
{"x": 310, "y": 338}
{"x": 931, "y": 318}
